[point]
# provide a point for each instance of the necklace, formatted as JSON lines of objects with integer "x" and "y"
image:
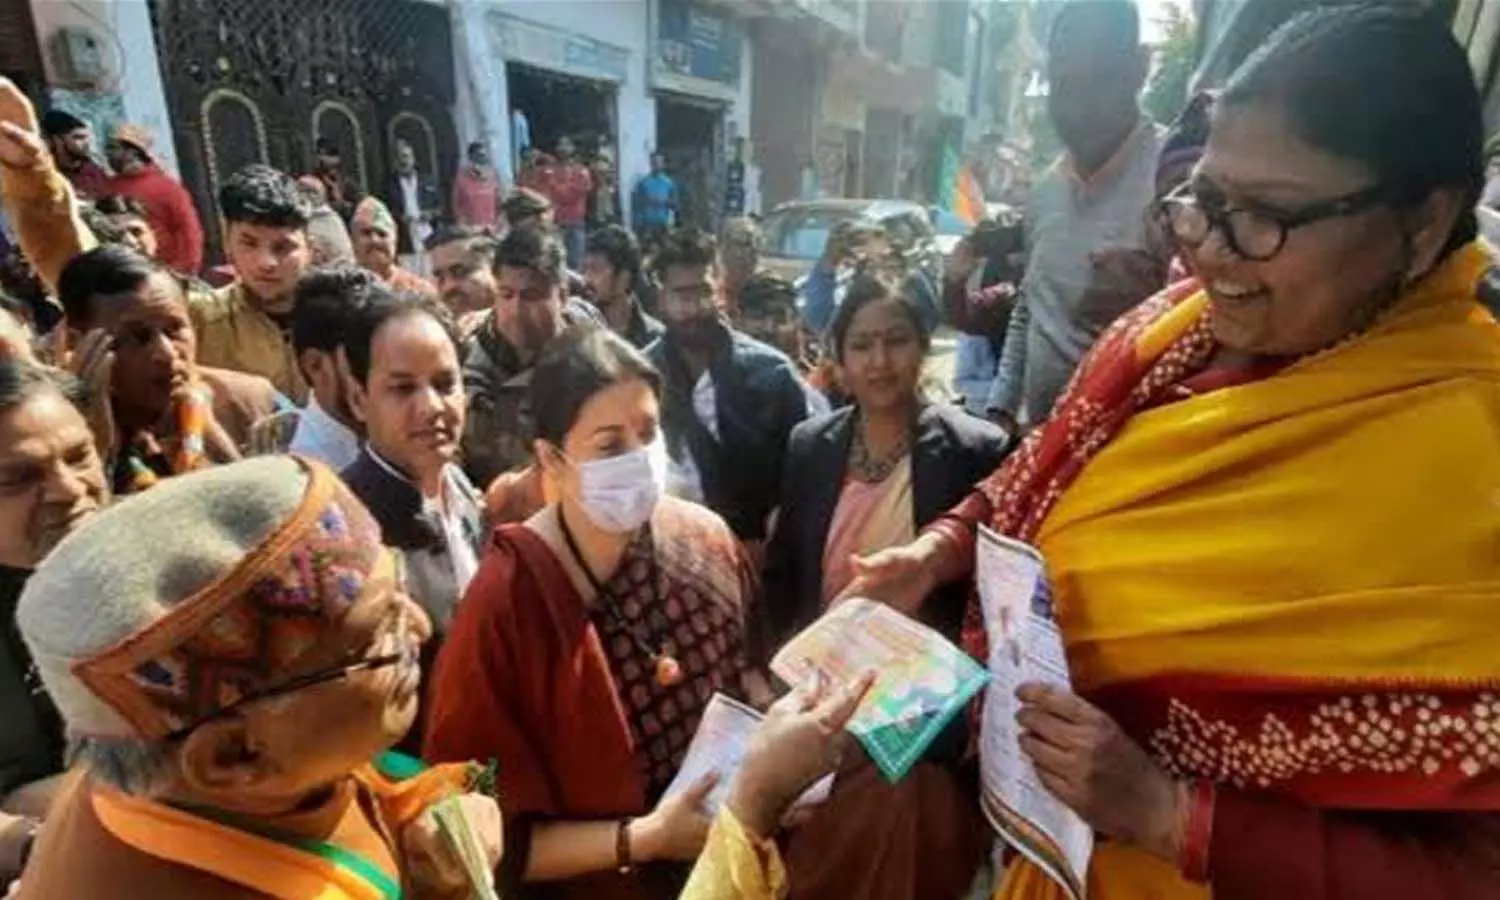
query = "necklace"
{"x": 667, "y": 670}
{"x": 867, "y": 467}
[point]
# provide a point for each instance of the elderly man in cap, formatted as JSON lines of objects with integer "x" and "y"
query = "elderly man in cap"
{"x": 169, "y": 207}
{"x": 72, "y": 144}
{"x": 373, "y": 231}
{"x": 230, "y": 680}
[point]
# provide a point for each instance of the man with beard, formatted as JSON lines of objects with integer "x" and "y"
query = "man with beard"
{"x": 1086, "y": 220}
{"x": 528, "y": 309}
{"x": 612, "y": 267}
{"x": 246, "y": 326}
{"x": 326, "y": 430}
{"x": 373, "y": 231}
{"x": 51, "y": 479}
{"x": 169, "y": 207}
{"x": 39, "y": 202}
{"x": 72, "y": 144}
{"x": 342, "y": 193}
{"x": 728, "y": 401}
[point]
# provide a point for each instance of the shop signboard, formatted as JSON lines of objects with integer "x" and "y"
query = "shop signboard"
{"x": 697, "y": 50}
{"x": 534, "y": 44}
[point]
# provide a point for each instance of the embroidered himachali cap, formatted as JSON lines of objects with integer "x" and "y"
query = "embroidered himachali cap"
{"x": 374, "y": 212}
{"x": 178, "y": 601}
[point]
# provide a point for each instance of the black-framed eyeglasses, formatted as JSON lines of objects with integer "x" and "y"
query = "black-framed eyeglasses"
{"x": 1255, "y": 235}
{"x": 311, "y": 679}
{"x": 300, "y": 683}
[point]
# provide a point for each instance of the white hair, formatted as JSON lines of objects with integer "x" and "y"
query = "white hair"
{"x": 132, "y": 765}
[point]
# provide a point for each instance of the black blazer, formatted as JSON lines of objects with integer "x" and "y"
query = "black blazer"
{"x": 759, "y": 399}
{"x": 427, "y": 198}
{"x": 953, "y": 450}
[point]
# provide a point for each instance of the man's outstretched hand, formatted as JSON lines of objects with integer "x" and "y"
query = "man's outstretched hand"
{"x": 20, "y": 138}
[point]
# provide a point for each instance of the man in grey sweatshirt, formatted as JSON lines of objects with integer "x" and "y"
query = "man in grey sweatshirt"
{"x": 1087, "y": 218}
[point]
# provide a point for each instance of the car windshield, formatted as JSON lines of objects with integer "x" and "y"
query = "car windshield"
{"x": 801, "y": 232}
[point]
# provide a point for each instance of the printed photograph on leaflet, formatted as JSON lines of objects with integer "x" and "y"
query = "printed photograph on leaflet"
{"x": 720, "y": 745}
{"x": 922, "y": 680}
{"x": 1024, "y": 646}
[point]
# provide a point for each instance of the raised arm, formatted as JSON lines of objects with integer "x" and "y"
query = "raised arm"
{"x": 38, "y": 200}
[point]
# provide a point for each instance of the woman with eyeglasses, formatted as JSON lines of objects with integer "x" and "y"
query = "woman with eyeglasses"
{"x": 592, "y": 639}
{"x": 1268, "y": 505}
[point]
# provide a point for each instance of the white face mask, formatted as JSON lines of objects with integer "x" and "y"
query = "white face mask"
{"x": 620, "y": 493}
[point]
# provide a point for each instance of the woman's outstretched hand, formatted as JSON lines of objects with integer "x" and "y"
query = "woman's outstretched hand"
{"x": 900, "y": 577}
{"x": 801, "y": 740}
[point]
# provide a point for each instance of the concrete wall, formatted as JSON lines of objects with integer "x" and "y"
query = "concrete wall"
{"x": 132, "y": 88}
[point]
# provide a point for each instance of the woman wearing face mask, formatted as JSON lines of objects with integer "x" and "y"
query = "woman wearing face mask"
{"x": 592, "y": 639}
{"x": 400, "y": 359}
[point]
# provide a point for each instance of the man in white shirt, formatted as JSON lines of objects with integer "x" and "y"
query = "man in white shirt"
{"x": 414, "y": 200}
{"x": 728, "y": 401}
{"x": 326, "y": 299}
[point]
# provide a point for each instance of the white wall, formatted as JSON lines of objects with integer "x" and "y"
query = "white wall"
{"x": 132, "y": 90}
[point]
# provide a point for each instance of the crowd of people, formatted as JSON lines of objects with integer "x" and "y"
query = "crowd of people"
{"x": 481, "y": 515}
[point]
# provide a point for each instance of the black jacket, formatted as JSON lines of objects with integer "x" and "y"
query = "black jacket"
{"x": 405, "y": 525}
{"x": 951, "y": 452}
{"x": 758, "y": 398}
{"x": 31, "y": 731}
{"x": 427, "y": 197}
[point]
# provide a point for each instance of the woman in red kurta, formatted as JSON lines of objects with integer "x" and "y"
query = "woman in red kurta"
{"x": 591, "y": 641}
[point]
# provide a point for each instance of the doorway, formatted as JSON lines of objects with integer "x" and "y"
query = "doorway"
{"x": 556, "y": 104}
{"x": 688, "y": 135}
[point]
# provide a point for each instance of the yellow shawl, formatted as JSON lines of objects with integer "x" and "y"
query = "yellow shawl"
{"x": 1333, "y": 528}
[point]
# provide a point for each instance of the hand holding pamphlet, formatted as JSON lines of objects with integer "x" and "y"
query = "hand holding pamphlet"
{"x": 719, "y": 746}
{"x": 922, "y": 680}
{"x": 1025, "y": 647}
{"x": 454, "y": 826}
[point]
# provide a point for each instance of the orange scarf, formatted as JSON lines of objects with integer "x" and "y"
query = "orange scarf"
{"x": 274, "y": 866}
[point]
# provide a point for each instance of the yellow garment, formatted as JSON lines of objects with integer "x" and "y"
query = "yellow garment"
{"x": 1337, "y": 522}
{"x": 43, "y": 212}
{"x": 234, "y": 334}
{"x": 735, "y": 865}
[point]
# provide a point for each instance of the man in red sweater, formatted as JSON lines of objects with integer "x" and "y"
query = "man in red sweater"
{"x": 169, "y": 207}
{"x": 568, "y": 184}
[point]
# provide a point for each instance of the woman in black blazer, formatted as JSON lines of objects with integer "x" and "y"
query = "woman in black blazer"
{"x": 857, "y": 480}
